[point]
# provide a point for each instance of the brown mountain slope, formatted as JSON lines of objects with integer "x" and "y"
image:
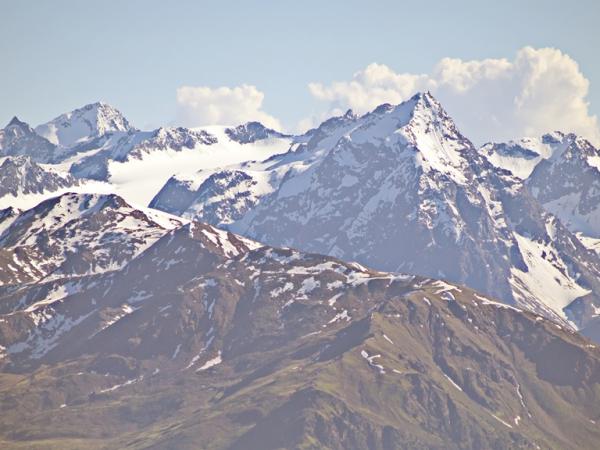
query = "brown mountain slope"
{"x": 207, "y": 340}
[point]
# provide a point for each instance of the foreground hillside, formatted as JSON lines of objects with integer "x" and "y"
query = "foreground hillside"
{"x": 207, "y": 340}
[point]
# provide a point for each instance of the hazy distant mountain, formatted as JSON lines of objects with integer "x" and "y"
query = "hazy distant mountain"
{"x": 18, "y": 138}
{"x": 251, "y": 132}
{"x": 96, "y": 142}
{"x": 20, "y": 176}
{"x": 84, "y": 124}
{"x": 563, "y": 173}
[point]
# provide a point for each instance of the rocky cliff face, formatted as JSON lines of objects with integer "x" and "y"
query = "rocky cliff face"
{"x": 19, "y": 139}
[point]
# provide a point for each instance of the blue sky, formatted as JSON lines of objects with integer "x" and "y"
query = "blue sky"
{"x": 135, "y": 55}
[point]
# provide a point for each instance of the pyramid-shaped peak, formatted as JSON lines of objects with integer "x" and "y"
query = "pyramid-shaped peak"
{"x": 422, "y": 104}
{"x": 426, "y": 101}
{"x": 90, "y": 121}
{"x": 101, "y": 108}
{"x": 422, "y": 109}
{"x": 425, "y": 96}
{"x": 102, "y": 111}
{"x": 15, "y": 122}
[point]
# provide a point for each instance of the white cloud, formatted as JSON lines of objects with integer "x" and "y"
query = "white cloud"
{"x": 541, "y": 90}
{"x": 201, "y": 105}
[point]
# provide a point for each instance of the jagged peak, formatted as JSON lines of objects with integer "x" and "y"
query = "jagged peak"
{"x": 109, "y": 199}
{"x": 99, "y": 105}
{"x": 425, "y": 96}
{"x": 553, "y": 137}
{"x": 419, "y": 116}
{"x": 9, "y": 211}
{"x": 66, "y": 207}
{"x": 83, "y": 203}
{"x": 105, "y": 111}
{"x": 350, "y": 114}
{"x": 426, "y": 102}
{"x": 18, "y": 160}
{"x": 384, "y": 108}
{"x": 252, "y": 131}
{"x": 19, "y": 128}
{"x": 74, "y": 205}
{"x": 89, "y": 121}
{"x": 422, "y": 104}
{"x": 580, "y": 142}
{"x": 15, "y": 122}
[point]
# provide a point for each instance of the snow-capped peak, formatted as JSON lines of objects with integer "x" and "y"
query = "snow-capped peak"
{"x": 251, "y": 132}
{"x": 433, "y": 133}
{"x": 90, "y": 121}
{"x": 58, "y": 211}
{"x": 75, "y": 234}
{"x": 420, "y": 123}
{"x": 425, "y": 115}
{"x": 522, "y": 156}
{"x": 18, "y": 138}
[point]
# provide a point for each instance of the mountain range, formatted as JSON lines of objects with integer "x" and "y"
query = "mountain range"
{"x": 186, "y": 288}
{"x": 401, "y": 189}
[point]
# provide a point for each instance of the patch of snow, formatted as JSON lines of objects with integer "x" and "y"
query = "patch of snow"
{"x": 454, "y": 383}
{"x": 333, "y": 299}
{"x": 281, "y": 289}
{"x": 547, "y": 279}
{"x": 501, "y": 421}
{"x": 341, "y": 316}
{"x": 176, "y": 352}
{"x": 371, "y": 360}
{"x": 211, "y": 362}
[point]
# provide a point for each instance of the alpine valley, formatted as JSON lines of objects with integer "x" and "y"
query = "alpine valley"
{"x": 377, "y": 282}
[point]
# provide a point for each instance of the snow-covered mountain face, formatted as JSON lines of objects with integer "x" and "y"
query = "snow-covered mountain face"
{"x": 84, "y": 124}
{"x": 134, "y": 146}
{"x": 20, "y": 177}
{"x": 25, "y": 183}
{"x": 77, "y": 234}
{"x": 97, "y": 143}
{"x": 65, "y": 136}
{"x": 522, "y": 156}
{"x": 140, "y": 163}
{"x": 18, "y": 139}
{"x": 563, "y": 173}
{"x": 400, "y": 189}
